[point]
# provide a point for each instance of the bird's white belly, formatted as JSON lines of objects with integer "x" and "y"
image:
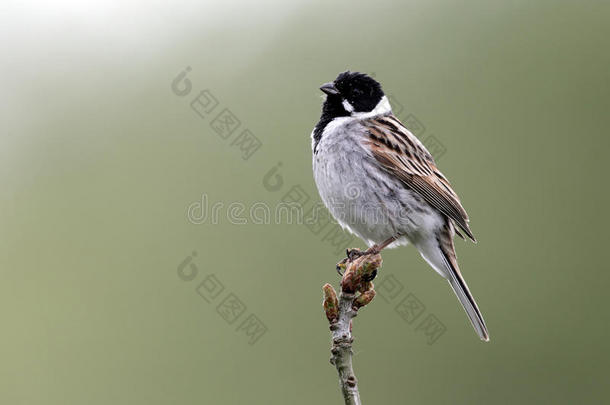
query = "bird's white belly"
{"x": 366, "y": 200}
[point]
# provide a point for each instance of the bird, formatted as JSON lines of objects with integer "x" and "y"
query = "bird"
{"x": 381, "y": 183}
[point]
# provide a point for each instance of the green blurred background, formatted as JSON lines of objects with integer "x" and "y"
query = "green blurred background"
{"x": 100, "y": 160}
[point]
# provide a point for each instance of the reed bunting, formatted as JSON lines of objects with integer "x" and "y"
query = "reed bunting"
{"x": 379, "y": 181}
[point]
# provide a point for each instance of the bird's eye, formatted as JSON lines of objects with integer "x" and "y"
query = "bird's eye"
{"x": 357, "y": 92}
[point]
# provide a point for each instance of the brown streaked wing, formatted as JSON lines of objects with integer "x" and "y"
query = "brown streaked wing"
{"x": 402, "y": 155}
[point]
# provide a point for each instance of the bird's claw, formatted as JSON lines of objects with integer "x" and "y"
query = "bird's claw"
{"x": 353, "y": 254}
{"x": 350, "y": 256}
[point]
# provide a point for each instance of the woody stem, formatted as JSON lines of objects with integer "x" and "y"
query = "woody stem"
{"x": 356, "y": 292}
{"x": 342, "y": 349}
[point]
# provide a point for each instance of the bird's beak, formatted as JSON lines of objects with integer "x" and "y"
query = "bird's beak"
{"x": 329, "y": 88}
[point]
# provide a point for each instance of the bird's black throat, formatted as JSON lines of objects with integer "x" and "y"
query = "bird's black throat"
{"x": 332, "y": 108}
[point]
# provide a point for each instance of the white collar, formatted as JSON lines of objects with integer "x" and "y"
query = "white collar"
{"x": 383, "y": 107}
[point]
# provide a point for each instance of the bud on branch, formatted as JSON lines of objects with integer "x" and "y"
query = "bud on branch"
{"x": 331, "y": 303}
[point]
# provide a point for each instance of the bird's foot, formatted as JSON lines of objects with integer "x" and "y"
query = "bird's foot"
{"x": 353, "y": 254}
{"x": 373, "y": 250}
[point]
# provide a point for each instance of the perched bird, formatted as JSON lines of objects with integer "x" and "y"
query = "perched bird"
{"x": 380, "y": 182}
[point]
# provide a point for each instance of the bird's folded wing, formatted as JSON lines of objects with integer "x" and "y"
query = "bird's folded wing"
{"x": 401, "y": 154}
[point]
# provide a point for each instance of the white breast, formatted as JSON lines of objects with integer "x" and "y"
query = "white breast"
{"x": 363, "y": 198}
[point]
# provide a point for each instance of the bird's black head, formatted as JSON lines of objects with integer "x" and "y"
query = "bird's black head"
{"x": 352, "y": 93}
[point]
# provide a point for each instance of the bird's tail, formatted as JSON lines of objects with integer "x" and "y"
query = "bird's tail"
{"x": 441, "y": 256}
{"x": 470, "y": 306}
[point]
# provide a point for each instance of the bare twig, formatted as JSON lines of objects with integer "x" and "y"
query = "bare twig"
{"x": 356, "y": 292}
